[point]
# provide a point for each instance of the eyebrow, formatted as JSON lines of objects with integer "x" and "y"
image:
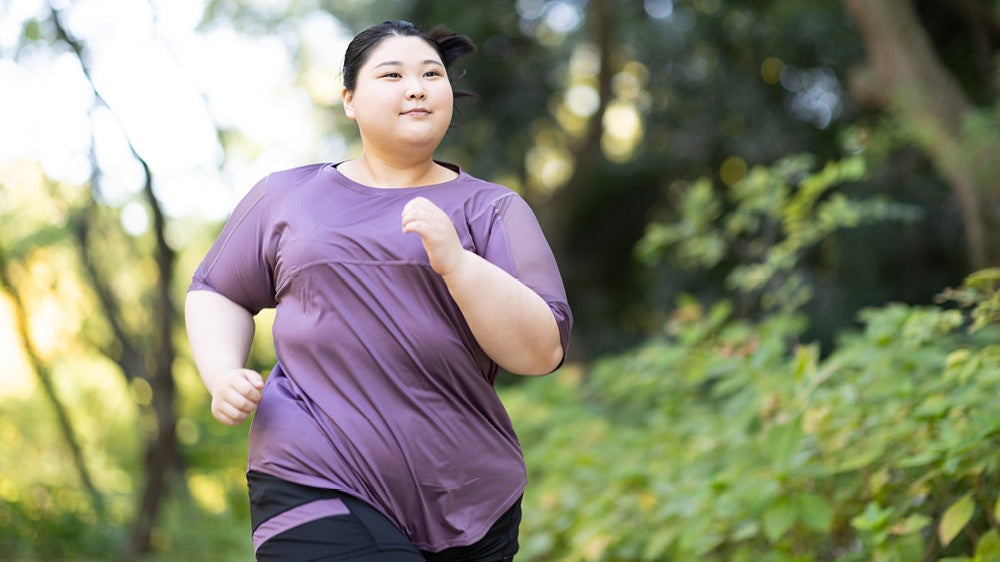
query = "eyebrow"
{"x": 400, "y": 63}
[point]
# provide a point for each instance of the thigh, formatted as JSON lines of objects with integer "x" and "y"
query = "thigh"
{"x": 499, "y": 544}
{"x": 298, "y": 523}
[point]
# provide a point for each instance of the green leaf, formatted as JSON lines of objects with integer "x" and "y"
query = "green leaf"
{"x": 778, "y": 519}
{"x": 657, "y": 546}
{"x": 988, "y": 548}
{"x": 862, "y": 458}
{"x": 955, "y": 518}
{"x": 911, "y": 524}
{"x": 814, "y": 512}
{"x": 806, "y": 359}
{"x": 872, "y": 519}
{"x": 782, "y": 441}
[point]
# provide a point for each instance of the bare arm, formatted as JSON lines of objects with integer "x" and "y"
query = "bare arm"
{"x": 220, "y": 333}
{"x": 512, "y": 323}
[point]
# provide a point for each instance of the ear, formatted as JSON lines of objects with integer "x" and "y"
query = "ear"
{"x": 347, "y": 98}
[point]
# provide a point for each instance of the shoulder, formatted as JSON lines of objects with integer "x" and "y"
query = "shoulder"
{"x": 281, "y": 184}
{"x": 473, "y": 182}
{"x": 295, "y": 175}
{"x": 483, "y": 195}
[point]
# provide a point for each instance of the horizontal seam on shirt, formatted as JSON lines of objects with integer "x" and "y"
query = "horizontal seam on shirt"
{"x": 377, "y": 263}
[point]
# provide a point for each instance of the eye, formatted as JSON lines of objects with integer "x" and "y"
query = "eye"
{"x": 433, "y": 73}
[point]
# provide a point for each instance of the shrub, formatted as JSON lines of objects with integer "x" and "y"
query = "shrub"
{"x": 721, "y": 441}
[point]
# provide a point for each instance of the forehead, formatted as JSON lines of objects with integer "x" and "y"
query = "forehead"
{"x": 407, "y": 49}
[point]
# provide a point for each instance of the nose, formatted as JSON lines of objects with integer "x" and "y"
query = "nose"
{"x": 415, "y": 91}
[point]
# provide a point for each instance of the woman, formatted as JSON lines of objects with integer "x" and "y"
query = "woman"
{"x": 402, "y": 285}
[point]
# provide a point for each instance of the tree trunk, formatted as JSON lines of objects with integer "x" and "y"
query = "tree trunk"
{"x": 906, "y": 77}
{"x": 49, "y": 388}
{"x": 146, "y": 356}
{"x": 163, "y": 453}
{"x": 555, "y": 217}
{"x": 162, "y": 458}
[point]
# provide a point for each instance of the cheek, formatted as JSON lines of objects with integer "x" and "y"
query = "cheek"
{"x": 444, "y": 97}
{"x": 371, "y": 108}
{"x": 445, "y": 94}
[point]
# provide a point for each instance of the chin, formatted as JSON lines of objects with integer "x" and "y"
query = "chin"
{"x": 422, "y": 140}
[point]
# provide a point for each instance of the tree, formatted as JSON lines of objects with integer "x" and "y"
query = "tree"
{"x": 906, "y": 77}
{"x": 44, "y": 375}
{"x": 136, "y": 312}
{"x": 603, "y": 113}
{"x": 593, "y": 109}
{"x": 144, "y": 355}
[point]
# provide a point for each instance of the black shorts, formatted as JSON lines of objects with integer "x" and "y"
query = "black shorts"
{"x": 295, "y": 522}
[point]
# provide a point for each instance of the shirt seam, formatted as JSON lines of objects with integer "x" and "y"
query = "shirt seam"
{"x": 232, "y": 232}
{"x": 499, "y": 207}
{"x": 339, "y": 261}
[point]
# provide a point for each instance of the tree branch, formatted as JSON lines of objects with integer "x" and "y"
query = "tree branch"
{"x": 924, "y": 93}
{"x": 48, "y": 387}
{"x": 162, "y": 453}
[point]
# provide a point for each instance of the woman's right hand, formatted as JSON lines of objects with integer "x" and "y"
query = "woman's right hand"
{"x": 236, "y": 395}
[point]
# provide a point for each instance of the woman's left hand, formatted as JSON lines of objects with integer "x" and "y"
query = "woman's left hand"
{"x": 514, "y": 326}
{"x": 436, "y": 232}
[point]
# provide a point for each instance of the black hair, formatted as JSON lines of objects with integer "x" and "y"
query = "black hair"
{"x": 449, "y": 45}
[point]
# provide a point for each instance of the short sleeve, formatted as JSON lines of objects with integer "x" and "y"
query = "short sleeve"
{"x": 240, "y": 264}
{"x": 510, "y": 237}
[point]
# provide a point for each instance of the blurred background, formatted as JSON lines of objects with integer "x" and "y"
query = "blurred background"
{"x": 778, "y": 224}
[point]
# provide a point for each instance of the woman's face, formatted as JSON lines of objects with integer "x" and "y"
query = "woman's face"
{"x": 402, "y": 96}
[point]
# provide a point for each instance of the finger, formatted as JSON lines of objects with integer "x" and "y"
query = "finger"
{"x": 245, "y": 402}
{"x": 231, "y": 421}
{"x": 254, "y": 378}
{"x": 410, "y": 214}
{"x": 415, "y": 225}
{"x": 238, "y": 398}
{"x": 417, "y": 203}
{"x": 251, "y": 387}
{"x": 419, "y": 208}
{"x": 238, "y": 409}
{"x": 250, "y": 400}
{"x": 226, "y": 414}
{"x": 247, "y": 384}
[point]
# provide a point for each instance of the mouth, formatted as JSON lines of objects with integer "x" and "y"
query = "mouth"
{"x": 417, "y": 112}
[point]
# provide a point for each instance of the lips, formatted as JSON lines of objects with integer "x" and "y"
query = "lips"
{"x": 417, "y": 111}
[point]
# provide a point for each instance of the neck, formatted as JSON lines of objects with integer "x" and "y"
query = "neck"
{"x": 374, "y": 171}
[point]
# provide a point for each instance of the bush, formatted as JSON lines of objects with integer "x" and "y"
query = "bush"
{"x": 724, "y": 440}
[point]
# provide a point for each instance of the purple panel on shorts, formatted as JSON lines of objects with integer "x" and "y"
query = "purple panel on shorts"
{"x": 297, "y": 516}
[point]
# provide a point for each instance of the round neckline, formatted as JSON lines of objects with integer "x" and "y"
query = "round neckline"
{"x": 391, "y": 191}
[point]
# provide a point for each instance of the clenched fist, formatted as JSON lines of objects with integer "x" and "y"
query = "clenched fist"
{"x": 436, "y": 232}
{"x": 236, "y": 395}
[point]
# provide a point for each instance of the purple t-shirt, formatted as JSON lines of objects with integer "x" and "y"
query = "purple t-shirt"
{"x": 380, "y": 389}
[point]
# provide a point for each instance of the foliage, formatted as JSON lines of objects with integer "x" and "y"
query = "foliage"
{"x": 763, "y": 225}
{"x": 674, "y": 69}
{"x": 45, "y": 514}
{"x": 981, "y": 293}
{"x": 719, "y": 438}
{"x": 718, "y": 441}
{"x": 724, "y": 438}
